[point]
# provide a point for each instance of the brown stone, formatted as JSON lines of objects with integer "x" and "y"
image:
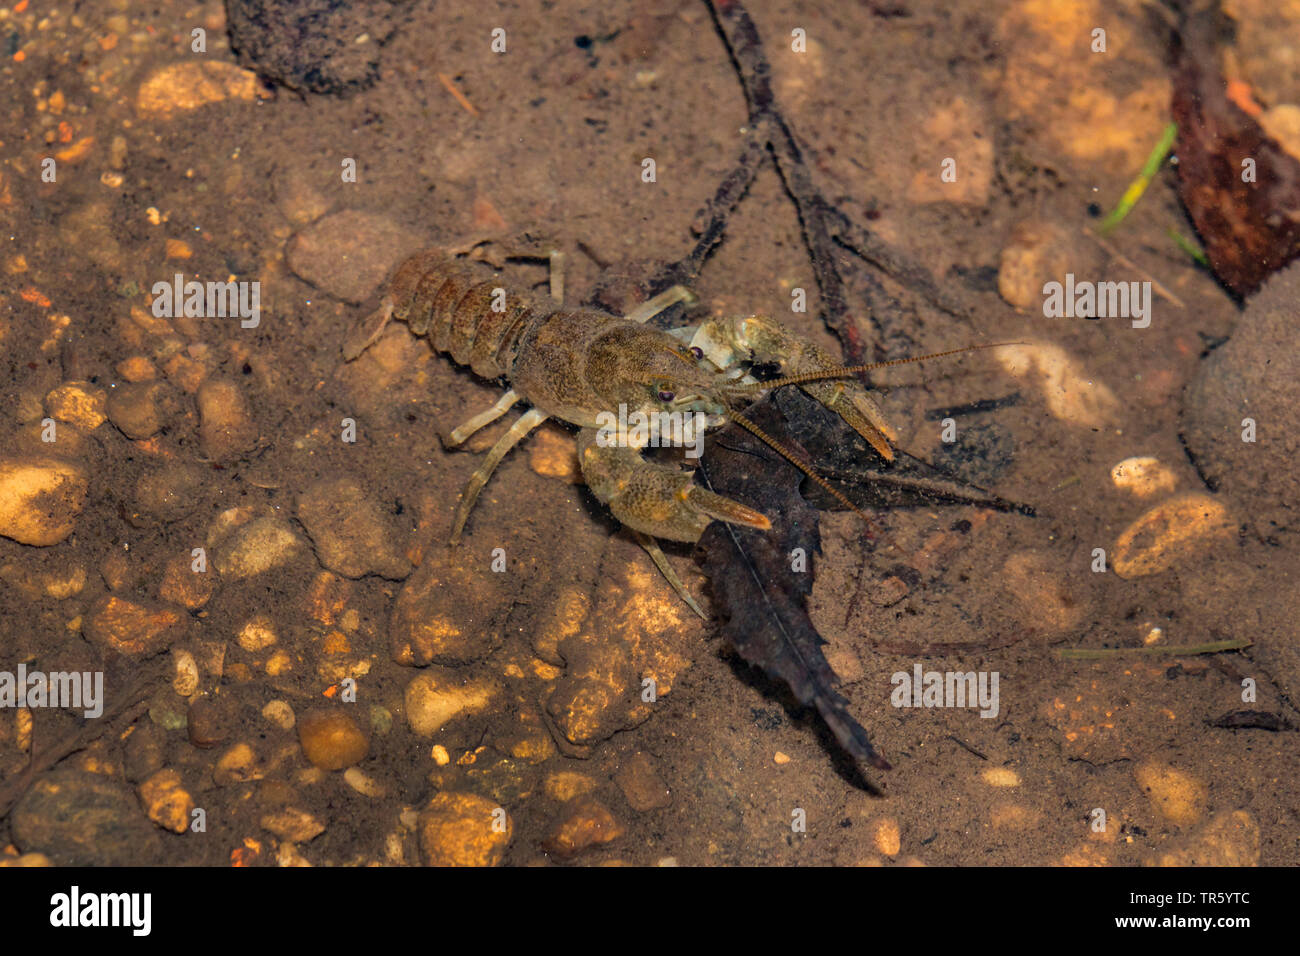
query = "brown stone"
{"x": 331, "y": 739}
{"x": 292, "y": 824}
{"x": 353, "y": 535}
{"x": 463, "y": 829}
{"x": 166, "y": 802}
{"x": 77, "y": 402}
{"x": 84, "y": 819}
{"x": 588, "y": 823}
{"x": 226, "y": 426}
{"x": 208, "y": 721}
{"x": 641, "y": 784}
{"x": 182, "y": 585}
{"x": 449, "y": 612}
{"x": 1226, "y": 839}
{"x": 40, "y": 499}
{"x": 131, "y": 627}
{"x": 349, "y": 252}
{"x": 141, "y": 410}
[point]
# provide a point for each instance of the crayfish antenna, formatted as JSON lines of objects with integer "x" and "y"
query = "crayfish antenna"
{"x": 843, "y": 371}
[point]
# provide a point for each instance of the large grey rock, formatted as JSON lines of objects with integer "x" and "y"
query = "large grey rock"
{"x": 1255, "y": 375}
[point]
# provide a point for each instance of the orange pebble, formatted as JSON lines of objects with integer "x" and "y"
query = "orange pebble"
{"x": 78, "y": 150}
{"x": 1238, "y": 92}
{"x": 33, "y": 294}
{"x": 178, "y": 249}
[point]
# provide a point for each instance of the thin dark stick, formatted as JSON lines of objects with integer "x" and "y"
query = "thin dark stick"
{"x": 828, "y": 233}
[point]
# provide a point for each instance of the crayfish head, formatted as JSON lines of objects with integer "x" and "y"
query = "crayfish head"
{"x": 648, "y": 371}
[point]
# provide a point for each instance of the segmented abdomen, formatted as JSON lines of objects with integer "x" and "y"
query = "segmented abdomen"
{"x": 540, "y": 348}
{"x": 450, "y": 301}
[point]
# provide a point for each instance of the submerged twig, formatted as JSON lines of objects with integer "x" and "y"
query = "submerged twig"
{"x": 828, "y": 233}
{"x": 1159, "y": 289}
{"x": 1183, "y": 650}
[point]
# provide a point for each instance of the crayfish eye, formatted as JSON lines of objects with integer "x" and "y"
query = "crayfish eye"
{"x": 665, "y": 395}
{"x": 697, "y": 351}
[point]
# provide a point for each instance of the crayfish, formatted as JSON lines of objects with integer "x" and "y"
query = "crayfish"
{"x": 626, "y": 386}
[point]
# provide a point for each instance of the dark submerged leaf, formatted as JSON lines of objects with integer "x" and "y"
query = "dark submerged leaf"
{"x": 1250, "y": 229}
{"x": 762, "y": 601}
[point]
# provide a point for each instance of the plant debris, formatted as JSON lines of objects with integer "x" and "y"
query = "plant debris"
{"x": 761, "y": 597}
{"x": 759, "y": 593}
{"x": 1240, "y": 187}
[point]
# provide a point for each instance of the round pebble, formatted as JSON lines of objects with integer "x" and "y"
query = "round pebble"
{"x": 887, "y": 836}
{"x": 588, "y": 823}
{"x": 463, "y": 829}
{"x": 257, "y": 634}
{"x": 237, "y": 765}
{"x": 144, "y": 750}
{"x": 1000, "y": 777}
{"x": 641, "y": 784}
{"x": 226, "y": 427}
{"x": 40, "y": 499}
{"x": 166, "y": 802}
{"x": 80, "y": 403}
{"x": 438, "y": 695}
{"x": 143, "y": 409}
{"x": 1174, "y": 530}
{"x": 363, "y": 783}
{"x": 449, "y": 612}
{"x": 1177, "y": 796}
{"x": 184, "y": 586}
{"x": 331, "y": 739}
{"x": 170, "y": 492}
{"x": 185, "y": 676}
{"x": 209, "y": 721}
{"x": 1143, "y": 476}
{"x": 353, "y": 535}
{"x": 292, "y": 825}
{"x": 262, "y": 545}
{"x": 137, "y": 368}
{"x": 565, "y": 785}
{"x": 279, "y": 713}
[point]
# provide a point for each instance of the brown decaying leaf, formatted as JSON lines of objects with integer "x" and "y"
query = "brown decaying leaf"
{"x": 851, "y": 465}
{"x": 1250, "y": 229}
{"x": 762, "y": 600}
